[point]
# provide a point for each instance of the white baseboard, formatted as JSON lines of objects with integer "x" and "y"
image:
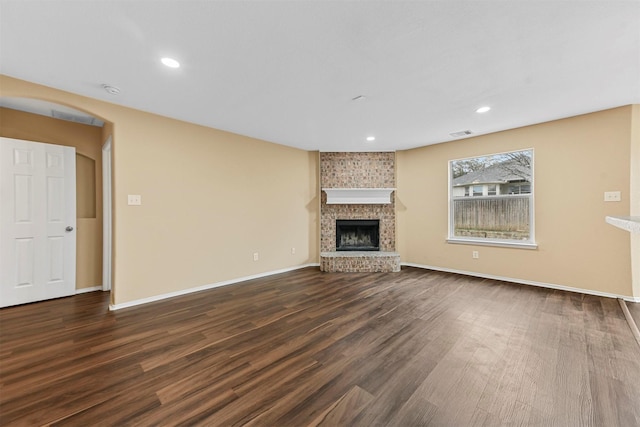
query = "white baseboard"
{"x": 524, "y": 282}
{"x": 154, "y": 298}
{"x": 91, "y": 289}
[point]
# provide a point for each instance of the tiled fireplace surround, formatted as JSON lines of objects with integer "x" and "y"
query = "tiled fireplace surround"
{"x": 358, "y": 170}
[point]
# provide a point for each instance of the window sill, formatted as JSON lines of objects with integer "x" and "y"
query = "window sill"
{"x": 501, "y": 244}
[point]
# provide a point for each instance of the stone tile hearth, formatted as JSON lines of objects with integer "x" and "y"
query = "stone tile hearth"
{"x": 360, "y": 262}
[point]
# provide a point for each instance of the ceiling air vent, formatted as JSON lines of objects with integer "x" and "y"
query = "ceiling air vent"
{"x": 76, "y": 118}
{"x": 461, "y": 133}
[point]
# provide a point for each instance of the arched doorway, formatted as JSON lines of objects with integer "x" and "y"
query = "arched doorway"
{"x": 52, "y": 123}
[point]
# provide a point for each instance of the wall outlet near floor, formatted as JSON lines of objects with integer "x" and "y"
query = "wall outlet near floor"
{"x": 293, "y": 251}
{"x": 611, "y": 196}
{"x": 475, "y": 255}
{"x": 256, "y": 256}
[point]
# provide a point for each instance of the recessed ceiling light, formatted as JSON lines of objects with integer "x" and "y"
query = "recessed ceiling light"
{"x": 483, "y": 109}
{"x": 371, "y": 138}
{"x": 170, "y": 62}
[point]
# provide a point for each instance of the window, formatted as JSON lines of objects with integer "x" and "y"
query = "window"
{"x": 497, "y": 205}
{"x": 519, "y": 188}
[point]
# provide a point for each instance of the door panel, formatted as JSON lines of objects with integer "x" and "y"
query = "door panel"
{"x": 25, "y": 257}
{"x": 23, "y": 198}
{"x": 37, "y": 253}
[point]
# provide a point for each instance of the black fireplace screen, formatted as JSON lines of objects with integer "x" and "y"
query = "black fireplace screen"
{"x": 357, "y": 235}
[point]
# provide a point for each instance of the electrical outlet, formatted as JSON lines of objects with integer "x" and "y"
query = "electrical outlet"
{"x": 293, "y": 251}
{"x": 475, "y": 254}
{"x": 256, "y": 256}
{"x": 134, "y": 200}
{"x": 611, "y": 196}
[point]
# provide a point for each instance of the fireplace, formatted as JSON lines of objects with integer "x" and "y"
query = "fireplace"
{"x": 357, "y": 235}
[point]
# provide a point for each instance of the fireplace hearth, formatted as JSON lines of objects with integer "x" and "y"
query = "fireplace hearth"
{"x": 357, "y": 235}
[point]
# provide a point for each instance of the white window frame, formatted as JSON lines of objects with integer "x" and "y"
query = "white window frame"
{"x": 521, "y": 244}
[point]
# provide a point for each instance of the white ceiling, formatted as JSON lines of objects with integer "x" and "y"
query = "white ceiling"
{"x": 286, "y": 71}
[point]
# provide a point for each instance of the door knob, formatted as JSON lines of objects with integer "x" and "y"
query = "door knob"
{"x": 69, "y": 228}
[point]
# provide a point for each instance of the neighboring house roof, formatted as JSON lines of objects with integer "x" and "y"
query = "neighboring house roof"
{"x": 499, "y": 173}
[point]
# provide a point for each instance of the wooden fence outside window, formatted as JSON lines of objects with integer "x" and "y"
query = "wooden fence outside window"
{"x": 500, "y": 217}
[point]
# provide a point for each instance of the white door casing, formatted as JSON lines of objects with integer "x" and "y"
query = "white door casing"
{"x": 37, "y": 221}
{"x": 106, "y": 215}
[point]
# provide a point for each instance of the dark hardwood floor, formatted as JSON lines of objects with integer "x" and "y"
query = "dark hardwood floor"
{"x": 307, "y": 348}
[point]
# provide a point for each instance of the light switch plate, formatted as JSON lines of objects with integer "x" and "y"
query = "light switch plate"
{"x": 134, "y": 200}
{"x": 611, "y": 196}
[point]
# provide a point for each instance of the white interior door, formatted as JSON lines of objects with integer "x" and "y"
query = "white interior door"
{"x": 37, "y": 221}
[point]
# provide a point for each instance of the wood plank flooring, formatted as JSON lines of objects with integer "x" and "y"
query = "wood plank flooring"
{"x": 307, "y": 348}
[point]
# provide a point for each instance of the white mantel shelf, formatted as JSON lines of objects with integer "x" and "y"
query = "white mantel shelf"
{"x": 629, "y": 223}
{"x": 358, "y": 196}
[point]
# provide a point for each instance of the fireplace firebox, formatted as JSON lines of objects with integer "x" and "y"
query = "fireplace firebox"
{"x": 357, "y": 235}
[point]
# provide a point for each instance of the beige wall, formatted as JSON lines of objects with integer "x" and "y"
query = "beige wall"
{"x": 210, "y": 199}
{"x": 576, "y": 161}
{"x": 87, "y": 141}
